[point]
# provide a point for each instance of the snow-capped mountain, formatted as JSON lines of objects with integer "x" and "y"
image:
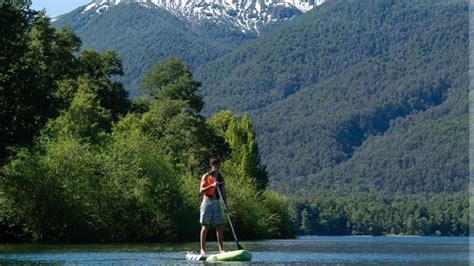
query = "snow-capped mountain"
{"x": 248, "y": 15}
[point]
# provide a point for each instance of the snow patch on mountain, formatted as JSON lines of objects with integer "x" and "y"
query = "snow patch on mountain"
{"x": 247, "y": 15}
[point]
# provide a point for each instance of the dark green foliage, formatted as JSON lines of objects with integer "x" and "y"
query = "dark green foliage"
{"x": 315, "y": 47}
{"x": 33, "y": 57}
{"x": 365, "y": 214}
{"x": 257, "y": 212}
{"x": 245, "y": 159}
{"x": 40, "y": 194}
{"x": 101, "y": 69}
{"x": 173, "y": 116}
{"x": 85, "y": 119}
{"x": 41, "y": 73}
{"x": 173, "y": 80}
{"x": 96, "y": 73}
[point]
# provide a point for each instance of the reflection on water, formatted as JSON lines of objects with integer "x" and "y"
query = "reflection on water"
{"x": 305, "y": 250}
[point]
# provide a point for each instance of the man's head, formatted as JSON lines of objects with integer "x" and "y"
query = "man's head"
{"x": 215, "y": 163}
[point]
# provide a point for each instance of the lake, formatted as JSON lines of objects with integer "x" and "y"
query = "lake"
{"x": 305, "y": 250}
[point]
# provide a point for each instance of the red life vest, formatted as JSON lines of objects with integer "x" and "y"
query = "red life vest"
{"x": 209, "y": 181}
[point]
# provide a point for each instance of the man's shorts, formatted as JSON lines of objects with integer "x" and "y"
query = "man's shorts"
{"x": 211, "y": 212}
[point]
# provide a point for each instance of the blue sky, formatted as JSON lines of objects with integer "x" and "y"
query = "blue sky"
{"x": 58, "y": 7}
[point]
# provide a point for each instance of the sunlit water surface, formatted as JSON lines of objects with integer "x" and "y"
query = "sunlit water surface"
{"x": 307, "y": 250}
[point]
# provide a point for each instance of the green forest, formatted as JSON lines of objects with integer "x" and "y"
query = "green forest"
{"x": 375, "y": 214}
{"x": 81, "y": 162}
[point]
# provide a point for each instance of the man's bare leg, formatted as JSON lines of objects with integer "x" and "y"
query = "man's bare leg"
{"x": 204, "y": 229}
{"x": 220, "y": 238}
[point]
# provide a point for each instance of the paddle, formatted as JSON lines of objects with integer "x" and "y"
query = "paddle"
{"x": 239, "y": 247}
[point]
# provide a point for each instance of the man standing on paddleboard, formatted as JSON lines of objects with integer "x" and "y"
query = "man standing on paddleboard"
{"x": 210, "y": 207}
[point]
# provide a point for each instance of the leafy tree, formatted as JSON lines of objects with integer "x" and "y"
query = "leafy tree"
{"x": 40, "y": 75}
{"x": 173, "y": 79}
{"x": 308, "y": 221}
{"x": 173, "y": 117}
{"x": 19, "y": 99}
{"x": 245, "y": 157}
{"x": 84, "y": 120}
{"x": 101, "y": 69}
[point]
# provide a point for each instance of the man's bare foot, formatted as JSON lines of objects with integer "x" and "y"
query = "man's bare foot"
{"x": 203, "y": 253}
{"x": 221, "y": 251}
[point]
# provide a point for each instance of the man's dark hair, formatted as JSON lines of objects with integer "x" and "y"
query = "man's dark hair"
{"x": 214, "y": 161}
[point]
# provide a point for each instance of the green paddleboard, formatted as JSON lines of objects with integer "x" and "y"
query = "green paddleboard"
{"x": 237, "y": 255}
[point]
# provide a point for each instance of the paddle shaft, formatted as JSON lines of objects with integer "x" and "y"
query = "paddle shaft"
{"x": 228, "y": 217}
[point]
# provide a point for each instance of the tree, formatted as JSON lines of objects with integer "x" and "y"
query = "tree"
{"x": 183, "y": 134}
{"x": 17, "y": 100}
{"x": 173, "y": 79}
{"x": 309, "y": 221}
{"x": 100, "y": 69}
{"x": 35, "y": 57}
{"x": 173, "y": 116}
{"x": 245, "y": 157}
{"x": 85, "y": 119}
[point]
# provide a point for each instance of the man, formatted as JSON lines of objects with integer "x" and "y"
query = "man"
{"x": 210, "y": 207}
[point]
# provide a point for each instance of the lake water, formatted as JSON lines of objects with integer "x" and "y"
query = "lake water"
{"x": 306, "y": 250}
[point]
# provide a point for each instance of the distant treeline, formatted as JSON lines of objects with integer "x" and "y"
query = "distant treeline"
{"x": 365, "y": 214}
{"x": 81, "y": 162}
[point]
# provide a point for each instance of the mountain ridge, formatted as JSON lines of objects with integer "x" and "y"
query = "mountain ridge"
{"x": 247, "y": 15}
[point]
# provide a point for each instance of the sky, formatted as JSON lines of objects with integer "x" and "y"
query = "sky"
{"x": 58, "y": 7}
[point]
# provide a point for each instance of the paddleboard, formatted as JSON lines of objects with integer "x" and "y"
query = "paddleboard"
{"x": 236, "y": 255}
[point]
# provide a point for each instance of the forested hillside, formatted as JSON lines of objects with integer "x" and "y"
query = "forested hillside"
{"x": 142, "y": 35}
{"x": 367, "y": 96}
